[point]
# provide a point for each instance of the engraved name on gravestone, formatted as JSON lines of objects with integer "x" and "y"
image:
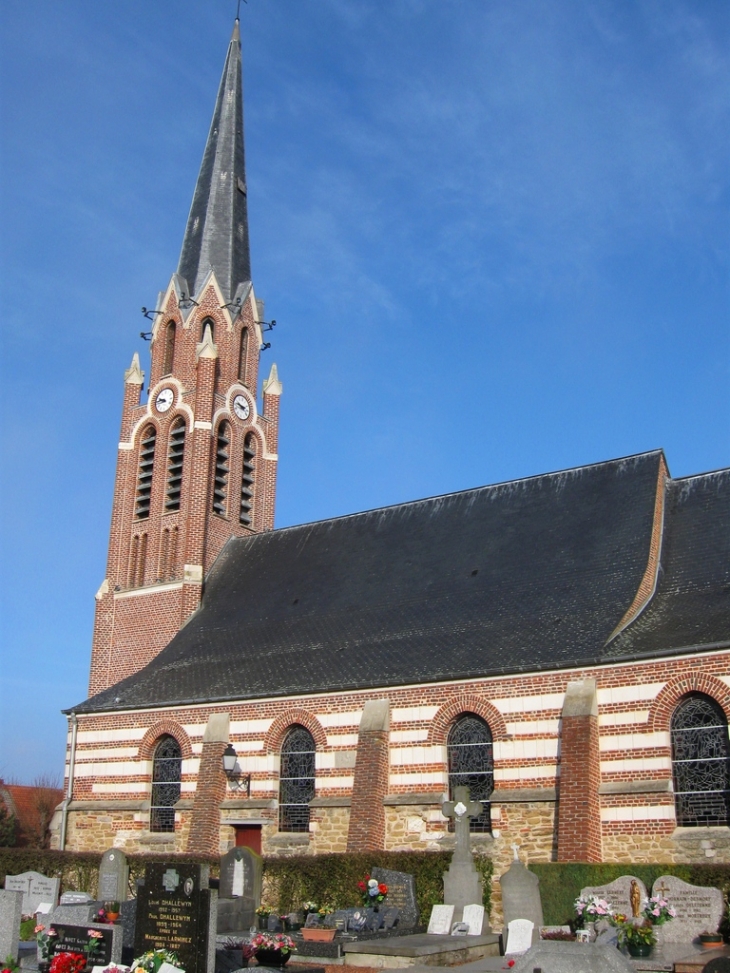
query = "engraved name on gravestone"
{"x": 626, "y": 894}
{"x": 113, "y": 876}
{"x": 11, "y": 906}
{"x": 441, "y": 919}
{"x": 36, "y": 889}
{"x": 177, "y": 910}
{"x": 698, "y": 909}
{"x": 401, "y": 895}
{"x": 75, "y": 939}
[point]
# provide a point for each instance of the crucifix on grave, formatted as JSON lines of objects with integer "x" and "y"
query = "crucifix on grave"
{"x": 462, "y": 884}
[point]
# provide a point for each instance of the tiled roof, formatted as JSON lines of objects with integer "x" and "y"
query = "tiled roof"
{"x": 524, "y": 576}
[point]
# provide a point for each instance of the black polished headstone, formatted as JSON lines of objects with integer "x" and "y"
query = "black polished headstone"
{"x": 75, "y": 939}
{"x": 401, "y": 894}
{"x": 176, "y": 910}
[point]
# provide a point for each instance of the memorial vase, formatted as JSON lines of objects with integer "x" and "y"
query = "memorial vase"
{"x": 639, "y": 949}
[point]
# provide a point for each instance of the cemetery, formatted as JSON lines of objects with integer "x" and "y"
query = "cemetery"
{"x": 175, "y": 916}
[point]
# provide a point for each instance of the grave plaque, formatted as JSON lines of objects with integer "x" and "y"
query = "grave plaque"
{"x": 698, "y": 909}
{"x": 401, "y": 895}
{"x": 36, "y": 889}
{"x": 626, "y": 894}
{"x": 11, "y": 903}
{"x": 75, "y": 939}
{"x": 519, "y": 936}
{"x": 75, "y": 898}
{"x": 441, "y": 918}
{"x": 113, "y": 876}
{"x": 176, "y": 910}
{"x": 474, "y": 918}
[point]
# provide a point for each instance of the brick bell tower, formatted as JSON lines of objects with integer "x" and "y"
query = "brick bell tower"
{"x": 197, "y": 461}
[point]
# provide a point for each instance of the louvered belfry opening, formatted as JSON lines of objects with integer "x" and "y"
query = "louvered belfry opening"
{"x": 471, "y": 764}
{"x": 296, "y": 779}
{"x": 700, "y": 763}
{"x": 175, "y": 457}
{"x": 222, "y": 469}
{"x": 144, "y": 476}
{"x": 247, "y": 486}
{"x": 166, "y": 775}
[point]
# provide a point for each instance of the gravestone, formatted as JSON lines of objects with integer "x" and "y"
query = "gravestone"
{"x": 553, "y": 957}
{"x": 11, "y": 909}
{"x": 698, "y": 909}
{"x": 626, "y": 894}
{"x": 113, "y": 876}
{"x": 441, "y": 919}
{"x": 240, "y": 890}
{"x": 401, "y": 894}
{"x": 128, "y": 917}
{"x": 75, "y": 915}
{"x": 391, "y": 917}
{"x": 37, "y": 890}
{"x": 462, "y": 884}
{"x": 176, "y": 910}
{"x": 74, "y": 939}
{"x": 521, "y": 896}
{"x": 474, "y": 919}
{"x": 519, "y": 936}
{"x": 75, "y": 898}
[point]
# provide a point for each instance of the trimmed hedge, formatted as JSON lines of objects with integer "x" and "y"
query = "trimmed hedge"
{"x": 330, "y": 879}
{"x": 560, "y": 884}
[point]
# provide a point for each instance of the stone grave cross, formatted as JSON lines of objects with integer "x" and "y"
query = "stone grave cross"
{"x": 461, "y": 809}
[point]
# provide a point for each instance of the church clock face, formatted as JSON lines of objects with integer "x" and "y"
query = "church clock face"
{"x": 164, "y": 400}
{"x": 241, "y": 407}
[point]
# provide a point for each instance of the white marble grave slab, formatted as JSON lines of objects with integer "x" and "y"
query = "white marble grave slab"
{"x": 440, "y": 922}
{"x": 519, "y": 936}
{"x": 474, "y": 918}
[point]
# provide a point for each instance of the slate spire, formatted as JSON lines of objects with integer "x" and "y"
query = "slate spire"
{"x": 216, "y": 235}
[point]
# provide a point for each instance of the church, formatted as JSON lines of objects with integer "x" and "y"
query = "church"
{"x": 560, "y": 644}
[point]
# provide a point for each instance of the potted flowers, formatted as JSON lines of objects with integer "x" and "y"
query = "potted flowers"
{"x": 262, "y": 913}
{"x": 272, "y": 948}
{"x": 637, "y": 935}
{"x": 657, "y": 911}
{"x": 711, "y": 940}
{"x": 153, "y": 959}
{"x": 588, "y": 909}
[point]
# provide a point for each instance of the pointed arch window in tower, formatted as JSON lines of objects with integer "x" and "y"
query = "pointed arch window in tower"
{"x": 247, "y": 481}
{"x": 471, "y": 764}
{"x": 168, "y": 361}
{"x": 296, "y": 779}
{"x": 175, "y": 457}
{"x": 168, "y": 555}
{"x": 243, "y": 357}
{"x": 207, "y": 323}
{"x": 166, "y": 775}
{"x": 138, "y": 561}
{"x": 700, "y": 763}
{"x": 144, "y": 475}
{"x": 222, "y": 469}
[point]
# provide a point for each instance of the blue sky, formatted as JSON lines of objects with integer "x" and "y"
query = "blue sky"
{"x": 494, "y": 236}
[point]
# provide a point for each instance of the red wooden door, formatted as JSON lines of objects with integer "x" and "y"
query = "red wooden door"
{"x": 249, "y": 836}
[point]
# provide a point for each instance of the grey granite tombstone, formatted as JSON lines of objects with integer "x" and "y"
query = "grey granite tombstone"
{"x": 626, "y": 894}
{"x": 240, "y": 890}
{"x": 698, "y": 909}
{"x": 11, "y": 909}
{"x": 462, "y": 884}
{"x": 551, "y": 957}
{"x": 113, "y": 876}
{"x": 401, "y": 895}
{"x": 37, "y": 889}
{"x": 176, "y": 910}
{"x": 521, "y": 897}
{"x": 75, "y": 915}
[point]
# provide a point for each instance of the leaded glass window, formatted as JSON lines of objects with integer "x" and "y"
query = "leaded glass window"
{"x": 296, "y": 780}
{"x": 471, "y": 764}
{"x": 700, "y": 763}
{"x": 166, "y": 774}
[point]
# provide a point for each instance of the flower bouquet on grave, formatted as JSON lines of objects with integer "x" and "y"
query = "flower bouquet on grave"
{"x": 68, "y": 963}
{"x": 93, "y": 945}
{"x": 262, "y": 914}
{"x": 45, "y": 940}
{"x": 153, "y": 959}
{"x": 371, "y": 891}
{"x": 272, "y": 948}
{"x": 637, "y": 935}
{"x": 658, "y": 911}
{"x": 590, "y": 908}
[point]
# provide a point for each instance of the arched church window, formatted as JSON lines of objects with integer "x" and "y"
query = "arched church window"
{"x": 222, "y": 469}
{"x": 166, "y": 775}
{"x": 700, "y": 763}
{"x": 243, "y": 357}
{"x": 296, "y": 779}
{"x": 175, "y": 457}
{"x": 169, "y": 357}
{"x": 471, "y": 764}
{"x": 144, "y": 474}
{"x": 247, "y": 485}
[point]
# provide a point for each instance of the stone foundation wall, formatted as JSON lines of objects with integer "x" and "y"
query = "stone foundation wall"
{"x": 101, "y": 829}
{"x": 682, "y": 846}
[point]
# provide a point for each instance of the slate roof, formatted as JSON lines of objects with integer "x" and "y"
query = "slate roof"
{"x": 524, "y": 576}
